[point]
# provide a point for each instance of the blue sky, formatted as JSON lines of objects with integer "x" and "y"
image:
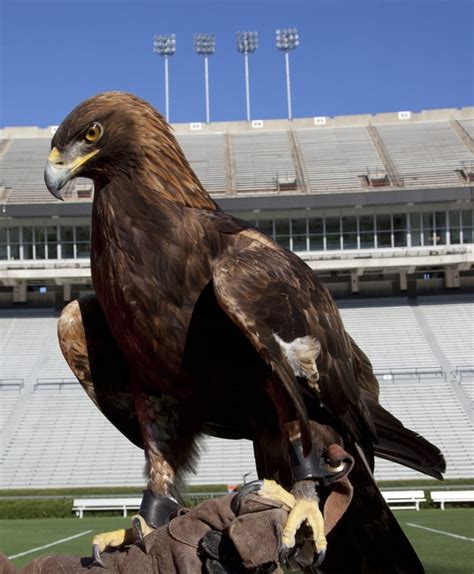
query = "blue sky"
{"x": 355, "y": 57}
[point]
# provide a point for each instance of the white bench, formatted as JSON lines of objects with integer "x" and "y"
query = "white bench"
{"x": 404, "y": 499}
{"x": 80, "y": 505}
{"x": 443, "y": 496}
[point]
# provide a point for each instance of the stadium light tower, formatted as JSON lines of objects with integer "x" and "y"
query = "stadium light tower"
{"x": 247, "y": 43}
{"x": 165, "y": 45}
{"x": 287, "y": 39}
{"x": 205, "y": 45}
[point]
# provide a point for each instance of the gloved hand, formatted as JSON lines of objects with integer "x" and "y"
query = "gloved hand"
{"x": 226, "y": 535}
{"x": 209, "y": 536}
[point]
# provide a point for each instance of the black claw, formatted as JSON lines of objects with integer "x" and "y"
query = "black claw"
{"x": 214, "y": 567}
{"x": 96, "y": 556}
{"x": 320, "y": 559}
{"x": 304, "y": 555}
{"x": 138, "y": 534}
{"x": 248, "y": 488}
{"x": 298, "y": 558}
{"x": 287, "y": 558}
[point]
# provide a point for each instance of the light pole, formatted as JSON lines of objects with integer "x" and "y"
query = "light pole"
{"x": 205, "y": 45}
{"x": 247, "y": 43}
{"x": 287, "y": 39}
{"x": 165, "y": 45}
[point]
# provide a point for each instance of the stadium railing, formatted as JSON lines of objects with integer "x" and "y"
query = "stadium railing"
{"x": 464, "y": 373}
{"x": 12, "y": 384}
{"x": 410, "y": 373}
{"x": 55, "y": 384}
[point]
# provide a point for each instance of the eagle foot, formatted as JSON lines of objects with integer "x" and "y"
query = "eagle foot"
{"x": 303, "y": 504}
{"x": 119, "y": 538}
{"x": 114, "y": 539}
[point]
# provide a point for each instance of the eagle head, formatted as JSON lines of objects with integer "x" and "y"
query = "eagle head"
{"x": 101, "y": 138}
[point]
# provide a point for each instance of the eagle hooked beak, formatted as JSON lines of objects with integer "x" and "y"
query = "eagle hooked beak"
{"x": 63, "y": 166}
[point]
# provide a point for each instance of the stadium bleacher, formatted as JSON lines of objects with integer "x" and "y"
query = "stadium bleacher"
{"x": 388, "y": 332}
{"x": 207, "y": 156}
{"x": 449, "y": 321}
{"x": 55, "y": 436}
{"x": 468, "y": 125}
{"x": 431, "y": 407}
{"x": 234, "y": 158}
{"x": 432, "y": 145}
{"x": 336, "y": 158}
{"x": 23, "y": 166}
{"x": 26, "y": 336}
{"x": 260, "y": 159}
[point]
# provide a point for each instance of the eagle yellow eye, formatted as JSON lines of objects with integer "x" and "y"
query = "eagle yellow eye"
{"x": 93, "y": 133}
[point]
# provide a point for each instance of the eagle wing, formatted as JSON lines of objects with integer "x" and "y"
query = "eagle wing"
{"x": 292, "y": 322}
{"x": 95, "y": 358}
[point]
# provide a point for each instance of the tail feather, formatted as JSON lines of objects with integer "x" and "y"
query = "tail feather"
{"x": 404, "y": 446}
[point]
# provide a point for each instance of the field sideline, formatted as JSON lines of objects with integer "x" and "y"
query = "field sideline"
{"x": 448, "y": 550}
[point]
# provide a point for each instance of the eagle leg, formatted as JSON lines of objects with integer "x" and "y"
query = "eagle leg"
{"x": 155, "y": 510}
{"x": 304, "y": 533}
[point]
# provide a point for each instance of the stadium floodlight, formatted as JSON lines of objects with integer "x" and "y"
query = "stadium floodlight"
{"x": 247, "y": 43}
{"x": 165, "y": 45}
{"x": 205, "y": 45}
{"x": 287, "y": 39}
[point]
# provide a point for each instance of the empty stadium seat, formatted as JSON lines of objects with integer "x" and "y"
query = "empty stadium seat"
{"x": 57, "y": 437}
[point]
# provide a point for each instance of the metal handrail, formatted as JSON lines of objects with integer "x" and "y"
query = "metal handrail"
{"x": 18, "y": 384}
{"x": 59, "y": 383}
{"x": 411, "y": 373}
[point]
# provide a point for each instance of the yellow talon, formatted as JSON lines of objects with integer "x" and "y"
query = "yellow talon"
{"x": 300, "y": 510}
{"x": 305, "y": 510}
{"x": 121, "y": 537}
{"x": 274, "y": 491}
{"x": 113, "y": 539}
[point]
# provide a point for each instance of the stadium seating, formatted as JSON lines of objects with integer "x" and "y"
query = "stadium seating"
{"x": 8, "y": 402}
{"x": 468, "y": 125}
{"x": 468, "y": 386}
{"x": 206, "y": 153}
{"x": 335, "y": 158}
{"x": 433, "y": 145}
{"x": 55, "y": 436}
{"x": 389, "y": 333}
{"x": 450, "y": 319}
{"x": 62, "y": 439}
{"x": 23, "y": 166}
{"x": 260, "y": 159}
{"x": 431, "y": 408}
{"x": 231, "y": 159}
{"x": 26, "y": 337}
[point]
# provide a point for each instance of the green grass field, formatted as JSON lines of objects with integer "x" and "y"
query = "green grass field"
{"x": 440, "y": 553}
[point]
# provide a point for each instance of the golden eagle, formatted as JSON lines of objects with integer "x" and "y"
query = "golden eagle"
{"x": 203, "y": 324}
